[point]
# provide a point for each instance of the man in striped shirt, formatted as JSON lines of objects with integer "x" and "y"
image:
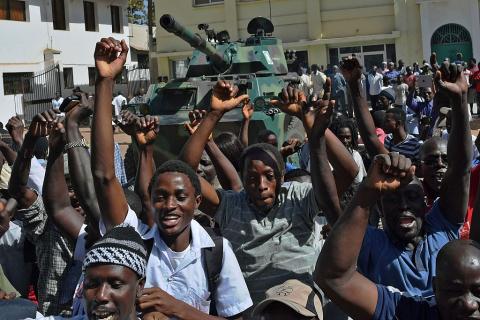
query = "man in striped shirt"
{"x": 397, "y": 139}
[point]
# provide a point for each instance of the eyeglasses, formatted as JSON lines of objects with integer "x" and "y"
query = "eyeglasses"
{"x": 433, "y": 160}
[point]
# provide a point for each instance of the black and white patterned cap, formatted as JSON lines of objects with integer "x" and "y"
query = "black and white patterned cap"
{"x": 121, "y": 245}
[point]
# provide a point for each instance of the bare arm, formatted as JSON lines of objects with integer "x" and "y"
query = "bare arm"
{"x": 145, "y": 135}
{"x": 352, "y": 72}
{"x": 345, "y": 169}
{"x": 155, "y": 300}
{"x": 8, "y": 153}
{"x": 223, "y": 99}
{"x": 111, "y": 199}
{"x": 455, "y": 186}
{"x": 226, "y": 173}
{"x": 17, "y": 186}
{"x": 55, "y": 190}
{"x": 336, "y": 273}
{"x": 247, "y": 112}
{"x": 79, "y": 165}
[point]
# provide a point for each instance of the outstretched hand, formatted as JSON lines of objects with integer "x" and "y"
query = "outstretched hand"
{"x": 224, "y": 97}
{"x": 451, "y": 83}
{"x": 389, "y": 171}
{"x": 110, "y": 56}
{"x": 147, "y": 130}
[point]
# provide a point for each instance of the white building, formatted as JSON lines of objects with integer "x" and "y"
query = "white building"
{"x": 37, "y": 34}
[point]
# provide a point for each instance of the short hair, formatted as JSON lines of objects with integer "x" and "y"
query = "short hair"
{"x": 272, "y": 152}
{"x": 398, "y": 114}
{"x": 345, "y": 122}
{"x": 429, "y": 142}
{"x": 230, "y": 146}
{"x": 263, "y": 135}
{"x": 180, "y": 167}
{"x": 378, "y": 118}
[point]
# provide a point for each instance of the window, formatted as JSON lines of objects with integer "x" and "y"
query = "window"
{"x": 92, "y": 75}
{"x": 89, "y": 14}
{"x": 12, "y": 10}
{"x": 123, "y": 77}
{"x": 16, "y": 82}
{"x": 205, "y": 2}
{"x": 333, "y": 55}
{"x": 143, "y": 60}
{"x": 115, "y": 14}
{"x": 58, "y": 15}
{"x": 68, "y": 78}
{"x": 391, "y": 52}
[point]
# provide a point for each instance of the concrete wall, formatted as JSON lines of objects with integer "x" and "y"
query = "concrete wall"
{"x": 462, "y": 12}
{"x": 23, "y": 43}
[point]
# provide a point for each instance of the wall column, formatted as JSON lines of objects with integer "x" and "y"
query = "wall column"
{"x": 231, "y": 19}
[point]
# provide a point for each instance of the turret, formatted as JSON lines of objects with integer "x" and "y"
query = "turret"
{"x": 196, "y": 41}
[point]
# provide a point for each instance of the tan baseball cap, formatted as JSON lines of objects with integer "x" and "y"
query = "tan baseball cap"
{"x": 296, "y": 295}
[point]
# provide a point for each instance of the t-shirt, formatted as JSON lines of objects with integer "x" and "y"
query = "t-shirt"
{"x": 361, "y": 167}
{"x": 274, "y": 247}
{"x": 409, "y": 147}
{"x": 411, "y": 271}
{"x": 393, "y": 305}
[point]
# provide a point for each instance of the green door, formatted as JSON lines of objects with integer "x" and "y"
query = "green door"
{"x": 450, "y": 39}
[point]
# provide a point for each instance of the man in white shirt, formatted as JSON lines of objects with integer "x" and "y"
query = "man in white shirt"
{"x": 57, "y": 101}
{"x": 375, "y": 81}
{"x": 177, "y": 278}
{"x": 117, "y": 103}
{"x": 318, "y": 81}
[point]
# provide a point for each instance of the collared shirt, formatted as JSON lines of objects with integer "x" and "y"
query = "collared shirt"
{"x": 410, "y": 271}
{"x": 376, "y": 82}
{"x": 410, "y": 147}
{"x": 274, "y": 247}
{"x": 54, "y": 252}
{"x": 188, "y": 282}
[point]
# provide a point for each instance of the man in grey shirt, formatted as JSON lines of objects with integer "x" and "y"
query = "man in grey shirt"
{"x": 270, "y": 224}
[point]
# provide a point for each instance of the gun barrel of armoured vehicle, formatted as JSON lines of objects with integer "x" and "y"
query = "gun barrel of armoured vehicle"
{"x": 195, "y": 40}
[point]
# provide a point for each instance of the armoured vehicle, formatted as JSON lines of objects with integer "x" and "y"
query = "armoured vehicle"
{"x": 257, "y": 66}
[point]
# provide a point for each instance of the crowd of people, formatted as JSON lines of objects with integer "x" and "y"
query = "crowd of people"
{"x": 378, "y": 218}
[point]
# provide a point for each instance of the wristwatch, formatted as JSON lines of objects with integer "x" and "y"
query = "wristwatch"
{"x": 76, "y": 144}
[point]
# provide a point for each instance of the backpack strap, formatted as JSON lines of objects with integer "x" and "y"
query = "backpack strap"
{"x": 149, "y": 246}
{"x": 213, "y": 264}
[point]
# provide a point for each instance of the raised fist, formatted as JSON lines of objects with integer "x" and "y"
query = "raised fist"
{"x": 110, "y": 56}
{"x": 147, "y": 130}
{"x": 389, "y": 171}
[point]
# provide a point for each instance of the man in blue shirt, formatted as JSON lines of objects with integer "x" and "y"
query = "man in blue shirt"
{"x": 403, "y": 254}
{"x": 391, "y": 180}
